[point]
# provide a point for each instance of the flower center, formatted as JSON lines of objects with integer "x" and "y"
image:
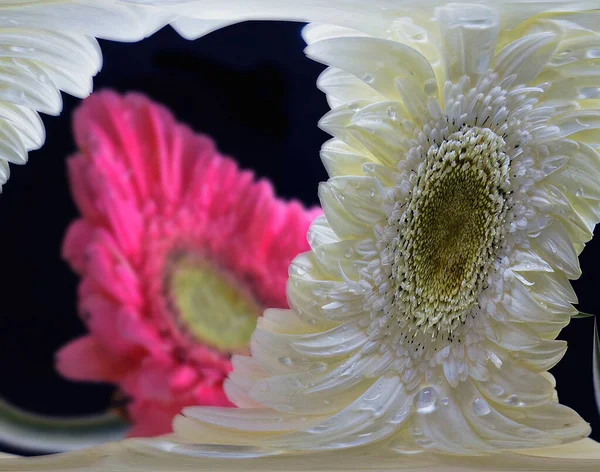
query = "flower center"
{"x": 450, "y": 230}
{"x": 211, "y": 305}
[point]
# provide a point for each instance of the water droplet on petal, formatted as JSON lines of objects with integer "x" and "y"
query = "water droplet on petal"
{"x": 349, "y": 252}
{"x": 392, "y": 113}
{"x": 425, "y": 442}
{"x": 285, "y": 361}
{"x": 400, "y": 416}
{"x": 430, "y": 87}
{"x": 513, "y": 400}
{"x": 368, "y": 78}
{"x": 481, "y": 407}
{"x": 317, "y": 367}
{"x": 425, "y": 400}
{"x": 593, "y": 53}
{"x": 403, "y": 448}
{"x": 589, "y": 93}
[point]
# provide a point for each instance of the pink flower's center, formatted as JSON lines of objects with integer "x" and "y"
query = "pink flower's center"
{"x": 211, "y": 305}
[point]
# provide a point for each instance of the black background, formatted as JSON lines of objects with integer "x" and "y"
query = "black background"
{"x": 250, "y": 87}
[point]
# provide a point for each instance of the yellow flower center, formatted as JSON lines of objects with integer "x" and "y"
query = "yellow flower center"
{"x": 213, "y": 307}
{"x": 451, "y": 230}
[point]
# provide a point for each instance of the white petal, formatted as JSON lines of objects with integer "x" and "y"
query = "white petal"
{"x": 502, "y": 431}
{"x": 337, "y": 120}
{"x": 348, "y": 13}
{"x": 556, "y": 248}
{"x": 553, "y": 289}
{"x": 341, "y": 159}
{"x": 527, "y": 56}
{"x": 339, "y": 217}
{"x": 520, "y": 305}
{"x": 526, "y": 261}
{"x": 321, "y": 233}
{"x": 192, "y": 28}
{"x": 339, "y": 341}
{"x": 314, "y": 32}
{"x": 205, "y": 433}
{"x": 339, "y": 259}
{"x": 446, "y": 428}
{"x": 247, "y": 371}
{"x": 116, "y": 20}
{"x": 379, "y": 128}
{"x": 253, "y": 419}
{"x": 307, "y": 393}
{"x": 544, "y": 356}
{"x": 376, "y": 414}
{"x": 4, "y": 173}
{"x": 396, "y": 71}
{"x": 308, "y": 297}
{"x": 515, "y": 387}
{"x": 360, "y": 196}
{"x": 25, "y": 83}
{"x": 469, "y": 36}
{"x": 12, "y": 148}
{"x": 27, "y": 122}
{"x": 278, "y": 320}
{"x": 576, "y": 122}
{"x": 342, "y": 87}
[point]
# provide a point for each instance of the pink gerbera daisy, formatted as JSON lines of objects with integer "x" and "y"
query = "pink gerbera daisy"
{"x": 179, "y": 252}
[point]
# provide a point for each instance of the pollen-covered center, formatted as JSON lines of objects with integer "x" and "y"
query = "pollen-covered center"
{"x": 450, "y": 230}
{"x": 211, "y": 306}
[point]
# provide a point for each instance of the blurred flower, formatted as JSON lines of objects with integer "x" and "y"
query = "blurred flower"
{"x": 179, "y": 253}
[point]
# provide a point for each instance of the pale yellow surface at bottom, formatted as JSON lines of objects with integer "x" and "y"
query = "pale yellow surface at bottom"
{"x": 139, "y": 456}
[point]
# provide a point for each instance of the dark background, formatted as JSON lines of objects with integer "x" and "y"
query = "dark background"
{"x": 250, "y": 87}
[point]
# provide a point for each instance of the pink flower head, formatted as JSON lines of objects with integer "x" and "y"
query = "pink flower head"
{"x": 179, "y": 252}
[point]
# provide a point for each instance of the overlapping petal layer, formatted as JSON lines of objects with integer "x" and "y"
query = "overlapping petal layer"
{"x": 47, "y": 46}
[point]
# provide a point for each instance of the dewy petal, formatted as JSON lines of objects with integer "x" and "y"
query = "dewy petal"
{"x": 396, "y": 71}
{"x": 216, "y": 13}
{"x": 469, "y": 36}
{"x": 48, "y": 46}
{"x": 526, "y": 57}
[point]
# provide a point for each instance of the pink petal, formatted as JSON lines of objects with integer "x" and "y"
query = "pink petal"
{"x": 151, "y": 419}
{"x": 85, "y": 359}
{"x": 78, "y": 236}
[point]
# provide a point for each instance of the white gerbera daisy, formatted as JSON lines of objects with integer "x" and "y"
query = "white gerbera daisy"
{"x": 464, "y": 183}
{"x": 47, "y": 46}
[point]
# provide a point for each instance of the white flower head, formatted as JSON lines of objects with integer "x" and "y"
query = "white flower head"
{"x": 463, "y": 185}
